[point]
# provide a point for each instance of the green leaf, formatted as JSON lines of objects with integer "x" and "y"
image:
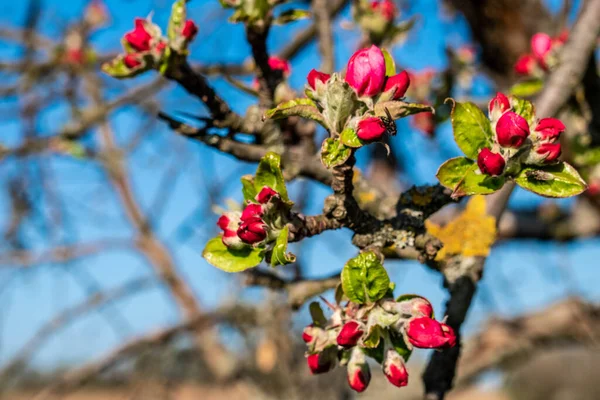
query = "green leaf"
{"x": 269, "y": 174}
{"x": 524, "y": 108}
{"x": 177, "y": 20}
{"x": 472, "y": 129}
{"x": 400, "y": 345}
{"x": 117, "y": 68}
{"x": 279, "y": 255}
{"x": 303, "y": 107}
{"x": 334, "y": 153}
{"x": 317, "y": 315}
{"x": 390, "y": 64}
{"x": 453, "y": 171}
{"x": 230, "y": 260}
{"x": 364, "y": 279}
{"x": 400, "y": 109}
{"x": 527, "y": 88}
{"x": 461, "y": 175}
{"x": 341, "y": 102}
{"x": 377, "y": 353}
{"x": 373, "y": 338}
{"x": 248, "y": 189}
{"x": 349, "y": 138}
{"x": 557, "y": 180}
{"x": 291, "y": 16}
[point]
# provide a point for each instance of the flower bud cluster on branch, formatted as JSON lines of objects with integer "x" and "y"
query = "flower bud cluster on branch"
{"x": 381, "y": 328}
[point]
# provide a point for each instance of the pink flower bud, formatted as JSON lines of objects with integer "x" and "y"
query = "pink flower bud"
{"x": 321, "y": 362}
{"x": 490, "y": 163}
{"x": 139, "y": 39}
{"x": 265, "y": 194}
{"x": 279, "y": 64}
{"x": 314, "y": 76}
{"x": 394, "y": 369}
{"x": 251, "y": 211}
{"x": 399, "y": 82}
{"x": 229, "y": 223}
{"x": 427, "y": 333}
{"x": 525, "y": 65}
{"x": 499, "y": 104}
{"x": 189, "y": 30}
{"x": 307, "y": 334}
{"x": 512, "y": 130}
{"x": 541, "y": 44}
{"x": 131, "y": 61}
{"x": 366, "y": 71}
{"x": 594, "y": 188}
{"x": 550, "y": 128}
{"x": 422, "y": 306}
{"x": 359, "y": 373}
{"x": 549, "y": 151}
{"x": 350, "y": 334}
{"x": 371, "y": 128}
{"x": 387, "y": 8}
{"x": 252, "y": 230}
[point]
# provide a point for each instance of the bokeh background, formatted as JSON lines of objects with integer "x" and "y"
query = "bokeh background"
{"x": 52, "y": 202}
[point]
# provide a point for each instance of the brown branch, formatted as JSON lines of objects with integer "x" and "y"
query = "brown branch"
{"x": 462, "y": 276}
{"x": 503, "y": 341}
{"x": 323, "y": 24}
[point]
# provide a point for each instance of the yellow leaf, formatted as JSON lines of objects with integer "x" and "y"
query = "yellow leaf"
{"x": 472, "y": 233}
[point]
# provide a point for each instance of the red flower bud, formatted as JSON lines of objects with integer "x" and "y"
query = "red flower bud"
{"x": 306, "y": 334}
{"x": 189, "y": 30}
{"x": 279, "y": 64}
{"x": 541, "y": 44}
{"x": 251, "y": 211}
{"x": 525, "y": 65}
{"x": 561, "y": 39}
{"x": 394, "y": 369}
{"x": 399, "y": 82}
{"x": 594, "y": 188}
{"x": 422, "y": 306}
{"x": 550, "y": 151}
{"x": 314, "y": 76}
{"x": 366, "y": 71}
{"x": 371, "y": 128}
{"x": 349, "y": 335}
{"x": 131, "y": 61}
{"x": 498, "y": 105}
{"x": 229, "y": 222}
{"x": 490, "y": 163}
{"x": 512, "y": 130}
{"x": 265, "y": 194}
{"x": 359, "y": 373}
{"x": 252, "y": 230}
{"x": 550, "y": 128}
{"x": 321, "y": 362}
{"x": 139, "y": 39}
{"x": 427, "y": 333}
{"x": 387, "y": 8}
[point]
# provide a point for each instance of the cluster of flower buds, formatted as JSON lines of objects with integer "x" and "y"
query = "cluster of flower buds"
{"x": 543, "y": 56}
{"x": 96, "y": 14}
{"x": 147, "y": 48}
{"x": 255, "y": 225}
{"x": 386, "y": 331}
{"x": 386, "y": 8}
{"x": 517, "y": 139}
{"x": 366, "y": 77}
{"x": 376, "y": 18}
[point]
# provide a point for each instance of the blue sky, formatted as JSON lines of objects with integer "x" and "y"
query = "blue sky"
{"x": 519, "y": 276}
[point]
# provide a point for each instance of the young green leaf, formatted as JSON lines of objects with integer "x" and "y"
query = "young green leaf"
{"x": 400, "y": 109}
{"x": 400, "y": 345}
{"x": 349, "y": 138}
{"x": 453, "y": 171}
{"x": 248, "y": 189}
{"x": 557, "y": 180}
{"x": 524, "y": 108}
{"x": 279, "y": 256}
{"x": 472, "y": 129}
{"x": 527, "y": 88}
{"x": 305, "y": 108}
{"x": 364, "y": 279}
{"x": 460, "y": 174}
{"x": 290, "y": 16}
{"x": 269, "y": 174}
{"x": 317, "y": 315}
{"x": 177, "y": 20}
{"x": 229, "y": 260}
{"x": 390, "y": 64}
{"x": 334, "y": 153}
